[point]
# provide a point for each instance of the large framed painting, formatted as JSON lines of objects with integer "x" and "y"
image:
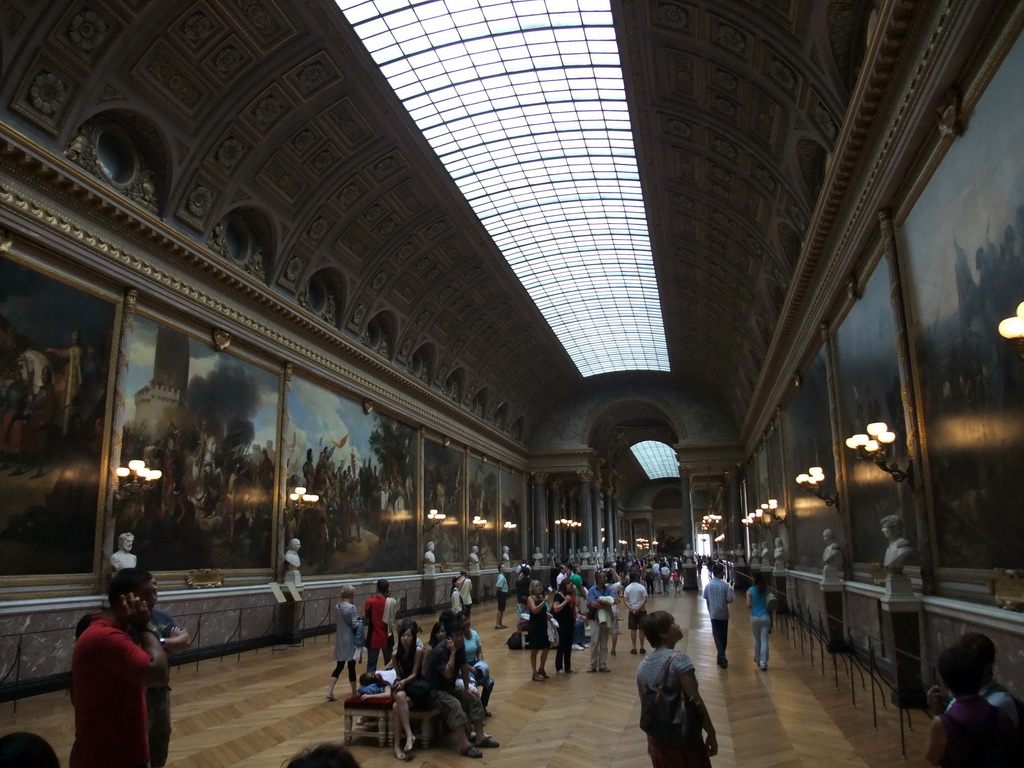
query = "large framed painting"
{"x": 55, "y": 351}
{"x": 207, "y": 420}
{"x": 512, "y": 511}
{"x": 869, "y": 391}
{"x": 444, "y": 489}
{"x": 964, "y": 244}
{"x": 808, "y": 443}
{"x": 362, "y": 465}
{"x": 482, "y": 498}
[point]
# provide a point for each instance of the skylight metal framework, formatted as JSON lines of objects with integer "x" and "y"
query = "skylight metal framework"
{"x": 524, "y": 103}
{"x": 657, "y": 459}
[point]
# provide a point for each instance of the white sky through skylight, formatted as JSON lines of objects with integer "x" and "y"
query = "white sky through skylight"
{"x": 524, "y": 103}
{"x": 657, "y": 459}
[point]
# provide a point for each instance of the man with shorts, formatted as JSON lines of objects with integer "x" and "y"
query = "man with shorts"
{"x": 635, "y": 596}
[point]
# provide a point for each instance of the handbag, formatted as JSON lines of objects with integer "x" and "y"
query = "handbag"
{"x": 359, "y": 633}
{"x": 668, "y": 716}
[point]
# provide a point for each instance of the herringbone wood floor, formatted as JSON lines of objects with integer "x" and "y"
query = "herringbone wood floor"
{"x": 258, "y": 711}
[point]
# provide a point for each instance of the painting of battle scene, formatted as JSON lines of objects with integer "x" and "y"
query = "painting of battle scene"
{"x": 443, "y": 489}
{"x": 208, "y": 421}
{"x": 869, "y": 386}
{"x": 807, "y": 434}
{"x": 363, "y": 468}
{"x": 512, "y": 509}
{"x": 965, "y": 245}
{"x": 55, "y": 347}
{"x": 482, "y": 493}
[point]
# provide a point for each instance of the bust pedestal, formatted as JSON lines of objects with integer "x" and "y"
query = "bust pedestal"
{"x": 902, "y": 637}
{"x": 832, "y": 591}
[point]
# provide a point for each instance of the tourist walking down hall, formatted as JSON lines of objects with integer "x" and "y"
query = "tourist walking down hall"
{"x": 676, "y": 669}
{"x": 760, "y": 619}
{"x": 718, "y": 594}
{"x": 599, "y": 606}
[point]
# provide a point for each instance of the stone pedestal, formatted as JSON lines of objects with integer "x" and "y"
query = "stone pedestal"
{"x": 778, "y": 582}
{"x": 902, "y": 637}
{"x": 833, "y": 594}
{"x": 288, "y": 615}
{"x": 744, "y": 578}
{"x": 689, "y": 574}
{"x": 428, "y": 588}
{"x": 429, "y": 570}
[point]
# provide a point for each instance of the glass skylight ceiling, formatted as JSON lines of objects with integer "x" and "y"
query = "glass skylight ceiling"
{"x": 524, "y": 103}
{"x": 657, "y": 459}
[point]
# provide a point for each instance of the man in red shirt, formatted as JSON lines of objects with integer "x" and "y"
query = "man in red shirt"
{"x": 378, "y": 633}
{"x": 110, "y": 674}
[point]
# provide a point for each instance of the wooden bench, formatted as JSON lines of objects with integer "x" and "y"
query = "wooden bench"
{"x": 376, "y": 717}
{"x": 424, "y": 722}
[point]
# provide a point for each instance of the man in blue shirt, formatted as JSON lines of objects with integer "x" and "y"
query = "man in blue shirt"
{"x": 718, "y": 594}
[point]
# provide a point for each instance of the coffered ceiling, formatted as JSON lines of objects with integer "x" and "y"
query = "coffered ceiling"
{"x": 263, "y": 133}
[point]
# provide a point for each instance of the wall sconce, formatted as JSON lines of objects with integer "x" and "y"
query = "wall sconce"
{"x": 810, "y": 481}
{"x": 478, "y": 522}
{"x": 300, "y": 500}
{"x": 1012, "y": 328}
{"x": 509, "y": 525}
{"x": 434, "y": 519}
{"x": 136, "y": 478}
{"x": 874, "y": 446}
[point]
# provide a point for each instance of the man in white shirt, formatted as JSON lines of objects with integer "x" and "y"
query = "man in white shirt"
{"x": 635, "y": 596}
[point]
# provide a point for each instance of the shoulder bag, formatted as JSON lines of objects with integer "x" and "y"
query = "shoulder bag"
{"x": 669, "y": 716}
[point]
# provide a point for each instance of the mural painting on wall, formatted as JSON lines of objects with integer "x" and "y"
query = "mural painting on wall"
{"x": 443, "y": 489}
{"x": 208, "y": 421}
{"x": 965, "y": 246}
{"x": 869, "y": 387}
{"x": 808, "y": 443}
{"x": 512, "y": 510}
{"x": 363, "y": 468}
{"x": 482, "y": 495}
{"x": 55, "y": 344}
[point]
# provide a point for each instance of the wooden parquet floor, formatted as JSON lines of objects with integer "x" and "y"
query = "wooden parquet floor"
{"x": 258, "y": 710}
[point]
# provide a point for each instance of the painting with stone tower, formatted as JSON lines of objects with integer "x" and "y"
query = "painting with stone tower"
{"x": 512, "y": 511}
{"x": 208, "y": 421}
{"x": 444, "y": 483}
{"x": 361, "y": 464}
{"x": 482, "y": 493}
{"x": 55, "y": 347}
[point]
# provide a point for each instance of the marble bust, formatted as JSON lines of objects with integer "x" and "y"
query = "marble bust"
{"x": 429, "y": 560}
{"x": 780, "y": 554}
{"x": 688, "y": 554}
{"x": 899, "y": 549}
{"x": 764, "y": 549}
{"x": 124, "y": 558}
{"x": 505, "y": 559}
{"x": 292, "y": 563}
{"x": 538, "y": 558}
{"x": 474, "y": 559}
{"x": 585, "y": 556}
{"x": 832, "y": 554}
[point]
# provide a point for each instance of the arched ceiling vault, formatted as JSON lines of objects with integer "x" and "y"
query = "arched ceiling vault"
{"x": 276, "y": 108}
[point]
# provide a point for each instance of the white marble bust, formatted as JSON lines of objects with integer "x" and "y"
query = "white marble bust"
{"x": 538, "y": 558}
{"x": 124, "y": 558}
{"x": 899, "y": 549}
{"x": 474, "y": 559}
{"x": 688, "y": 554}
{"x": 764, "y": 549}
{"x": 428, "y": 556}
{"x": 292, "y": 562}
{"x": 585, "y": 555}
{"x": 832, "y": 554}
{"x": 505, "y": 558}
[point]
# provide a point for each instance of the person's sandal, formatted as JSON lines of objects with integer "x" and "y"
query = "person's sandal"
{"x": 400, "y": 755}
{"x": 538, "y": 677}
{"x": 471, "y": 751}
{"x": 487, "y": 743}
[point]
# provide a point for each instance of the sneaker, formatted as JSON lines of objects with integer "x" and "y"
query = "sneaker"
{"x": 576, "y": 647}
{"x": 591, "y": 669}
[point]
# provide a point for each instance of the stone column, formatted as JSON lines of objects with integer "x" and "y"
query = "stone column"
{"x": 540, "y": 511}
{"x": 586, "y": 537}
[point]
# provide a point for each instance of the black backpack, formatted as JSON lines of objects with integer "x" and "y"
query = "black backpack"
{"x": 515, "y": 641}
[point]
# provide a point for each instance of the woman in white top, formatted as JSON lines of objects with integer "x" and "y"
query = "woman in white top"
{"x": 617, "y": 588}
